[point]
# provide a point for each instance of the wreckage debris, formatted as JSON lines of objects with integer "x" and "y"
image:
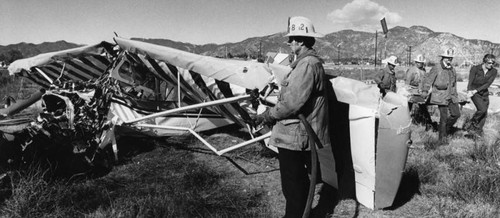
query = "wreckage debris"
{"x": 63, "y": 138}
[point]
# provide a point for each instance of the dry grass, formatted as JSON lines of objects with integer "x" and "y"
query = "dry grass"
{"x": 179, "y": 177}
{"x": 19, "y": 89}
{"x": 461, "y": 179}
{"x": 165, "y": 182}
{"x": 14, "y": 86}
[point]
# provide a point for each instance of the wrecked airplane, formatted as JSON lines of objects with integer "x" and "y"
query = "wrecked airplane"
{"x": 94, "y": 94}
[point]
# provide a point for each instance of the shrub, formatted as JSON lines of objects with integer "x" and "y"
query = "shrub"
{"x": 33, "y": 195}
{"x": 475, "y": 182}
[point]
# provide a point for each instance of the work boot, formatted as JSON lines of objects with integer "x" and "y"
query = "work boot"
{"x": 452, "y": 130}
{"x": 432, "y": 126}
{"x": 428, "y": 127}
{"x": 443, "y": 141}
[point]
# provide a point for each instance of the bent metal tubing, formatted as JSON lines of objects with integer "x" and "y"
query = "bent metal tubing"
{"x": 191, "y": 107}
{"x": 221, "y": 152}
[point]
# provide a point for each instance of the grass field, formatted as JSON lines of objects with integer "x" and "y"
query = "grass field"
{"x": 179, "y": 177}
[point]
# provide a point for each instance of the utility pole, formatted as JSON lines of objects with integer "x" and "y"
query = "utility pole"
{"x": 338, "y": 54}
{"x": 260, "y": 50}
{"x": 409, "y": 61}
{"x": 408, "y": 56}
{"x": 376, "y": 33}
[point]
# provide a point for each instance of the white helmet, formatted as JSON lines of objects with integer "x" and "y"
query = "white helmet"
{"x": 448, "y": 53}
{"x": 420, "y": 58}
{"x": 301, "y": 26}
{"x": 393, "y": 60}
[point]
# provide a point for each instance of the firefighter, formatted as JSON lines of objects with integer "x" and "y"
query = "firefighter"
{"x": 442, "y": 78}
{"x": 386, "y": 78}
{"x": 303, "y": 91}
{"x": 417, "y": 105}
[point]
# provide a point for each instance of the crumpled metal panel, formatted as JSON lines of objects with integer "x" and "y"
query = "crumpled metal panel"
{"x": 379, "y": 132}
{"x": 392, "y": 148}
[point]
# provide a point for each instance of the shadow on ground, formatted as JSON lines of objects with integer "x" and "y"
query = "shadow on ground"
{"x": 329, "y": 198}
{"x": 410, "y": 185}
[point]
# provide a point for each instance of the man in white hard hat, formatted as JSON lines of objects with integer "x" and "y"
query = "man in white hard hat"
{"x": 414, "y": 80}
{"x": 386, "y": 78}
{"x": 443, "y": 80}
{"x": 303, "y": 91}
{"x": 480, "y": 78}
{"x": 415, "y": 75}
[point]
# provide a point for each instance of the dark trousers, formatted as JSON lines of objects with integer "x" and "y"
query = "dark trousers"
{"x": 419, "y": 114}
{"x": 479, "y": 118}
{"x": 294, "y": 179}
{"x": 447, "y": 120}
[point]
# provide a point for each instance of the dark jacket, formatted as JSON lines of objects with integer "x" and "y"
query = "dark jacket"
{"x": 443, "y": 82}
{"x": 479, "y": 80}
{"x": 303, "y": 91}
{"x": 386, "y": 80}
{"x": 414, "y": 77}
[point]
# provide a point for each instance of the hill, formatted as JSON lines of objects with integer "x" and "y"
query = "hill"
{"x": 30, "y": 49}
{"x": 355, "y": 45}
{"x": 344, "y": 45}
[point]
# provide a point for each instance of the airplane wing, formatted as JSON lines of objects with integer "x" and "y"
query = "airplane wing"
{"x": 78, "y": 64}
{"x": 250, "y": 75}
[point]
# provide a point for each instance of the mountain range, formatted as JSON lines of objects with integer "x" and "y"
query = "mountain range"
{"x": 342, "y": 45}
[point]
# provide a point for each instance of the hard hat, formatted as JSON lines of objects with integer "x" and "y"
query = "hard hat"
{"x": 448, "y": 53}
{"x": 420, "y": 58}
{"x": 301, "y": 26}
{"x": 392, "y": 60}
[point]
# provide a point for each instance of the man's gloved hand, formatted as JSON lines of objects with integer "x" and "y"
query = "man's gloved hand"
{"x": 382, "y": 90}
{"x": 424, "y": 94}
{"x": 254, "y": 94}
{"x": 471, "y": 93}
{"x": 263, "y": 119}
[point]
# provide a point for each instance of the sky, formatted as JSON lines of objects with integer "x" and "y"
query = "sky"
{"x": 225, "y": 21}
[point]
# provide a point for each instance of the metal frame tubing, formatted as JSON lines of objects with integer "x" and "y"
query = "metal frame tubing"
{"x": 221, "y": 152}
{"x": 191, "y": 107}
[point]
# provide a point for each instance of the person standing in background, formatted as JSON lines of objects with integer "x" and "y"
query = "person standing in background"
{"x": 386, "y": 78}
{"x": 480, "y": 78}
{"x": 443, "y": 80}
{"x": 417, "y": 105}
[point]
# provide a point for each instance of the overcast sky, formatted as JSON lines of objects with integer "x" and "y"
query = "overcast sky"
{"x": 221, "y": 21}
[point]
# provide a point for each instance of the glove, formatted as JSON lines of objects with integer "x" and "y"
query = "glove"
{"x": 263, "y": 119}
{"x": 471, "y": 93}
{"x": 424, "y": 94}
{"x": 254, "y": 94}
{"x": 382, "y": 90}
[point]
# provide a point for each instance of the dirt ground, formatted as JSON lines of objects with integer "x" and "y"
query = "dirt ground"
{"x": 261, "y": 172}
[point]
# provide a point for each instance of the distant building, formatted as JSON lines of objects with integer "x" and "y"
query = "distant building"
{"x": 370, "y": 82}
